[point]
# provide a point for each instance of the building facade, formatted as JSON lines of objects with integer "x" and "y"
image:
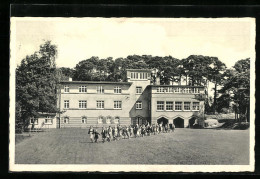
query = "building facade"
{"x": 137, "y": 101}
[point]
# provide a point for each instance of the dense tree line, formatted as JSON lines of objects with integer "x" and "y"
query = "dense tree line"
{"x": 37, "y": 78}
{"x": 197, "y": 70}
{"x": 36, "y": 85}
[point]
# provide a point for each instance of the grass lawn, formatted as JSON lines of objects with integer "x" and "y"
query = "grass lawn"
{"x": 184, "y": 146}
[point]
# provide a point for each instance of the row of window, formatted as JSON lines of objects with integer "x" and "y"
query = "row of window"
{"x": 100, "y": 120}
{"x": 177, "y": 106}
{"x": 48, "y": 120}
{"x": 99, "y": 104}
{"x": 177, "y": 90}
{"x": 139, "y": 90}
{"x": 100, "y": 89}
{"x": 161, "y": 105}
{"x": 142, "y": 75}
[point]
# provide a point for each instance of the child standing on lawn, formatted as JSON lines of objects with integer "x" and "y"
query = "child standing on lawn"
{"x": 173, "y": 127}
{"x": 109, "y": 131}
{"x": 143, "y": 130}
{"x": 119, "y": 131}
{"x": 91, "y": 133}
{"x": 96, "y": 134}
{"x": 115, "y": 133}
{"x": 156, "y": 129}
{"x": 104, "y": 134}
{"x": 130, "y": 131}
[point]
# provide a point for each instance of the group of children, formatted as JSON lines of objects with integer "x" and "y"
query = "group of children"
{"x": 126, "y": 132}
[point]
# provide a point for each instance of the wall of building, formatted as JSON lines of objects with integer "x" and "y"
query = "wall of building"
{"x": 91, "y": 113}
{"x": 144, "y": 113}
{"x": 128, "y": 114}
{"x": 173, "y": 114}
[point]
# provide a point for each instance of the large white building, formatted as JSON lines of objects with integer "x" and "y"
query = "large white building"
{"x": 102, "y": 103}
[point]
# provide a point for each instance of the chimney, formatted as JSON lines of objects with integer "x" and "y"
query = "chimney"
{"x": 70, "y": 79}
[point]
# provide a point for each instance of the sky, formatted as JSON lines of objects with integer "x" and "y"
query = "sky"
{"x": 77, "y": 39}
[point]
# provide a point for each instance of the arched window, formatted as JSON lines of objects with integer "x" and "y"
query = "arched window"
{"x": 117, "y": 119}
{"x": 108, "y": 119}
{"x": 84, "y": 120}
{"x": 100, "y": 119}
{"x": 66, "y": 120}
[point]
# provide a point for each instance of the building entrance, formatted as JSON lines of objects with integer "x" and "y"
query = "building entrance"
{"x": 178, "y": 122}
{"x": 163, "y": 120}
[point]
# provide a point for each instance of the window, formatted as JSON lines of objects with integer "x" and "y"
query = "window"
{"x": 138, "y": 105}
{"x": 160, "y": 105}
{"x": 83, "y": 89}
{"x": 100, "y": 119}
{"x": 138, "y": 90}
{"x": 178, "y": 106}
{"x": 117, "y": 90}
{"x": 196, "y": 90}
{"x": 66, "y": 104}
{"x": 185, "y": 90}
{"x": 141, "y": 76}
{"x": 132, "y": 75}
{"x": 148, "y": 75}
{"x": 100, "y": 89}
{"x": 82, "y": 104}
{"x": 196, "y": 106}
{"x": 108, "y": 120}
{"x": 100, "y": 104}
{"x": 48, "y": 120}
{"x": 116, "y": 120}
{"x": 84, "y": 120}
{"x": 160, "y": 89}
{"x": 117, "y": 104}
{"x": 186, "y": 106}
{"x": 34, "y": 121}
{"x": 168, "y": 90}
{"x": 177, "y": 90}
{"x": 145, "y": 75}
{"x": 189, "y": 90}
{"x": 169, "y": 105}
{"x": 66, "y": 89}
{"x": 66, "y": 120}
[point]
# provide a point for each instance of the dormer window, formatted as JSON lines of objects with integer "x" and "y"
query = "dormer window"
{"x": 139, "y": 75}
{"x": 100, "y": 89}
{"x": 66, "y": 89}
{"x": 117, "y": 90}
{"x": 83, "y": 89}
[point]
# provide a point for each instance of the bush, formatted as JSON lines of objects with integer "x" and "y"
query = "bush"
{"x": 199, "y": 122}
{"x": 224, "y": 110}
{"x": 241, "y": 126}
{"x": 18, "y": 128}
{"x": 242, "y": 118}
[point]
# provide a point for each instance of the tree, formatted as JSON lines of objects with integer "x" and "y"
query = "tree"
{"x": 238, "y": 86}
{"x": 36, "y": 80}
{"x": 86, "y": 70}
{"x": 216, "y": 75}
{"x": 65, "y": 73}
